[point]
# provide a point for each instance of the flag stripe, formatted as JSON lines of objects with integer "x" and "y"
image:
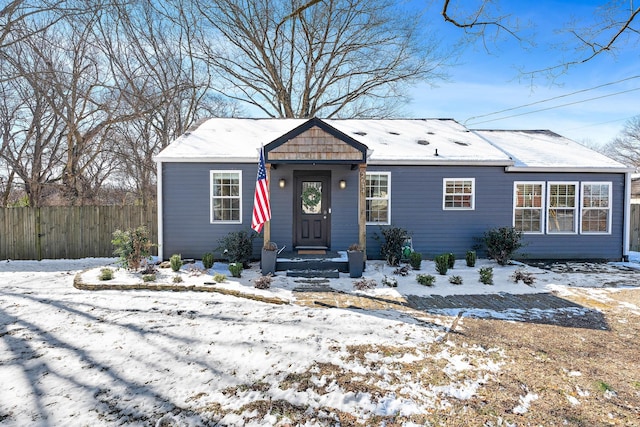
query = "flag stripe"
{"x": 261, "y": 207}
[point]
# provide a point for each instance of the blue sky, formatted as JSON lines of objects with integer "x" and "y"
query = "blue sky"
{"x": 488, "y": 80}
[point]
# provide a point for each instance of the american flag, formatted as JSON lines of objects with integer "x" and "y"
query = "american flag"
{"x": 261, "y": 208}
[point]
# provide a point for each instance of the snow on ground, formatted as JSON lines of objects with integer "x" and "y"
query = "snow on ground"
{"x": 111, "y": 357}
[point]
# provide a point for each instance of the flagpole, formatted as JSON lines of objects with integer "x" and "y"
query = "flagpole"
{"x": 267, "y": 225}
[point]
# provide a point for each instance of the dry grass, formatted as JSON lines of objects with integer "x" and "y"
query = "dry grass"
{"x": 583, "y": 375}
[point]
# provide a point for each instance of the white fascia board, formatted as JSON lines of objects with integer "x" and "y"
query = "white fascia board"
{"x": 205, "y": 159}
{"x": 407, "y": 162}
{"x": 567, "y": 169}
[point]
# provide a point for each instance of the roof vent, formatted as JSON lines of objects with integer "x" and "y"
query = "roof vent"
{"x": 430, "y": 133}
{"x": 360, "y": 133}
{"x": 464, "y": 144}
{"x": 423, "y": 142}
{"x": 393, "y": 133}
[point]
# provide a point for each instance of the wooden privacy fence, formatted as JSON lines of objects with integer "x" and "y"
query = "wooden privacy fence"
{"x": 634, "y": 228}
{"x": 68, "y": 232}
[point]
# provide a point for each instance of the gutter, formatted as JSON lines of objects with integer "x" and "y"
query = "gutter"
{"x": 551, "y": 169}
{"x": 160, "y": 209}
{"x": 627, "y": 217}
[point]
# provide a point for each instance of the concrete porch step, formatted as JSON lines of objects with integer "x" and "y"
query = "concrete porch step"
{"x": 327, "y": 274}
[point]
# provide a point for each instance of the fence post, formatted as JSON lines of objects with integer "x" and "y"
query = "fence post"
{"x": 38, "y": 235}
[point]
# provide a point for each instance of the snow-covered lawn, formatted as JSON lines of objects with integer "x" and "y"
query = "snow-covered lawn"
{"x": 114, "y": 357}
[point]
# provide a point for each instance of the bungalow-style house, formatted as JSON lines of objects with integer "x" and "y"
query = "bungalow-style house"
{"x": 336, "y": 182}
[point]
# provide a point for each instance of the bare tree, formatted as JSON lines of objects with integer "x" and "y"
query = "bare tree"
{"x": 615, "y": 24}
{"x": 342, "y": 58}
{"x": 626, "y": 146}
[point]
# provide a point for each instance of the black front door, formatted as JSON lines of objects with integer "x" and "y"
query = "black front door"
{"x": 311, "y": 215}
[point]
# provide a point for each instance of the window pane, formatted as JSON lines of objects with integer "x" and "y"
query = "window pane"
{"x": 528, "y": 220}
{"x": 311, "y": 197}
{"x": 225, "y": 193}
{"x": 377, "y": 197}
{"x": 595, "y": 220}
{"x": 561, "y": 220}
{"x": 458, "y": 194}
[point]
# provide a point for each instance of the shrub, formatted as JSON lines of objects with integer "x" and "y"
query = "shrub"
{"x": 148, "y": 277}
{"x": 175, "y": 261}
{"x": 132, "y": 247}
{"x": 415, "y": 260}
{"x": 237, "y": 246}
{"x": 442, "y": 263}
{"x": 502, "y": 243}
{"x": 106, "y": 274}
{"x": 451, "y": 260}
{"x": 426, "y": 279}
{"x": 471, "y": 258}
{"x": 402, "y": 271}
{"x": 219, "y": 277}
{"x": 236, "y": 269}
{"x": 526, "y": 277}
{"x": 392, "y": 282}
{"x": 363, "y": 284}
{"x": 455, "y": 280}
{"x": 391, "y": 247}
{"x": 207, "y": 260}
{"x": 177, "y": 279}
{"x": 263, "y": 282}
{"x": 486, "y": 275}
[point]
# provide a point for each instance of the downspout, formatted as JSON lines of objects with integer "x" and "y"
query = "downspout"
{"x": 627, "y": 216}
{"x": 159, "y": 199}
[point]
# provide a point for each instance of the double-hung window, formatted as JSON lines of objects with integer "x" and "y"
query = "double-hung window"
{"x": 528, "y": 207}
{"x": 378, "y": 198}
{"x": 459, "y": 193}
{"x": 595, "y": 215}
{"x": 226, "y": 196}
{"x": 562, "y": 207}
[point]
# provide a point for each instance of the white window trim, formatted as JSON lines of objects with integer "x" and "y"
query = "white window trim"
{"x": 582, "y": 208}
{"x": 542, "y": 208}
{"x": 473, "y": 194}
{"x": 388, "y": 198}
{"x": 239, "y": 197}
{"x": 576, "y": 208}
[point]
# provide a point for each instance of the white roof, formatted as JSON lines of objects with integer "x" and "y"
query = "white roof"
{"x": 545, "y": 150}
{"x": 393, "y": 141}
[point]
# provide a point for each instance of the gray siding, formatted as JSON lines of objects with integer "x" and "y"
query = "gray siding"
{"x": 186, "y": 207}
{"x": 416, "y": 205}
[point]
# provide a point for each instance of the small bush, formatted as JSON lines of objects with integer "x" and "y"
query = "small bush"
{"x": 451, "y": 260}
{"x": 391, "y": 247}
{"x": 364, "y": 284}
{"x": 132, "y": 247}
{"x": 148, "y": 277}
{"x": 442, "y": 263}
{"x": 402, "y": 271}
{"x": 177, "y": 279}
{"x": 194, "y": 271}
{"x": 392, "y": 282}
{"x": 149, "y": 269}
{"x": 219, "y": 277}
{"x": 263, "y": 282}
{"x": 526, "y": 277}
{"x": 237, "y": 246}
{"x": 426, "y": 279}
{"x": 455, "y": 280}
{"x": 415, "y": 260}
{"x": 502, "y": 243}
{"x": 207, "y": 260}
{"x": 471, "y": 258}
{"x": 486, "y": 275}
{"x": 236, "y": 269}
{"x": 176, "y": 262}
{"x": 106, "y": 274}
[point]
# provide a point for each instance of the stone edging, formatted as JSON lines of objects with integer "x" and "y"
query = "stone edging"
{"x": 79, "y": 284}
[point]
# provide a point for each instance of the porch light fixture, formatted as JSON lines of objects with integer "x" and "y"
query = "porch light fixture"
{"x": 282, "y": 183}
{"x": 343, "y": 184}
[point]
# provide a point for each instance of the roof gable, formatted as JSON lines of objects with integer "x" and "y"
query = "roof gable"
{"x": 315, "y": 142}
